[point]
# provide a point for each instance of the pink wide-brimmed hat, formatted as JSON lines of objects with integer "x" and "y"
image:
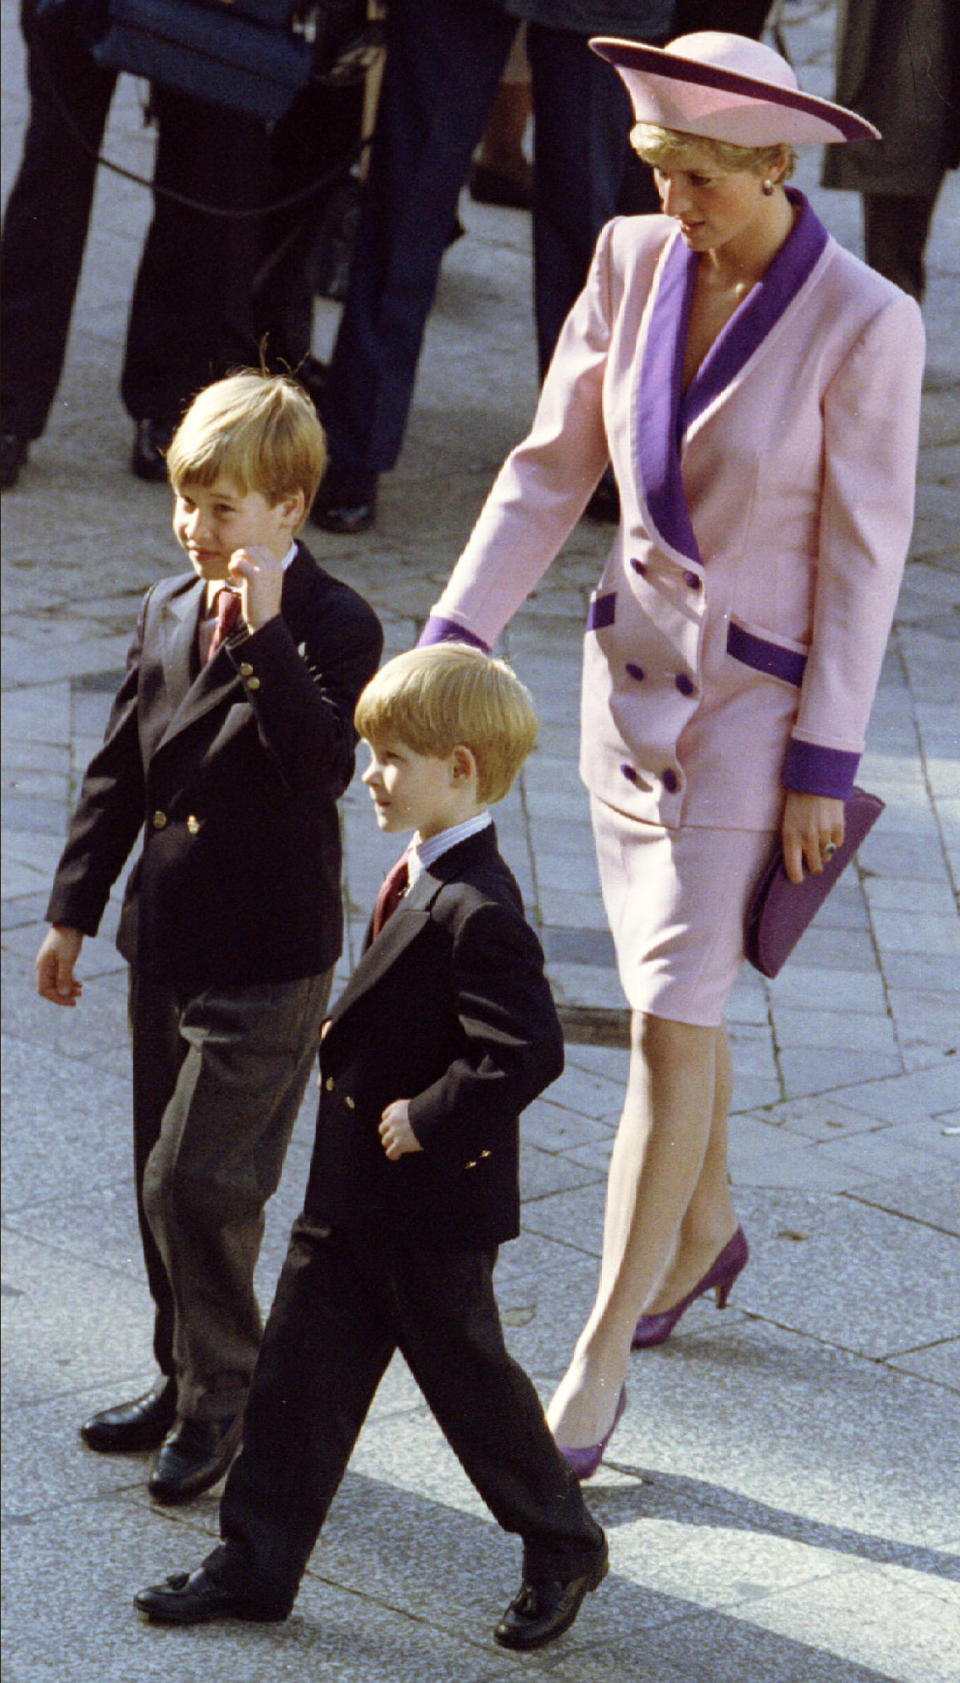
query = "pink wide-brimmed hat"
{"x": 727, "y": 87}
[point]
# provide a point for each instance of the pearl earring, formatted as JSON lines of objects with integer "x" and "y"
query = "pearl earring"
{"x": 767, "y": 189}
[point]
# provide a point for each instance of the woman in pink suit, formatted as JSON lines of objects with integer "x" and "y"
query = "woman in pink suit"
{"x": 757, "y": 391}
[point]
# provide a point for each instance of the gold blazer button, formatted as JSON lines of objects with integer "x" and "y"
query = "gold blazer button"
{"x": 350, "y": 1103}
{"x": 193, "y": 825}
{"x": 159, "y": 820}
{"x": 329, "y": 1083}
{"x": 253, "y": 683}
{"x": 246, "y": 670}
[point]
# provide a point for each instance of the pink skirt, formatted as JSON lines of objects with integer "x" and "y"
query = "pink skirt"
{"x": 676, "y": 902}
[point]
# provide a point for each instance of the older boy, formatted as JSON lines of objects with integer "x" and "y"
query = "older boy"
{"x": 229, "y": 742}
{"x": 445, "y": 1031}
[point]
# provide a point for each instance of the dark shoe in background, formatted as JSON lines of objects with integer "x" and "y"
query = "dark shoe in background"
{"x": 193, "y": 1458}
{"x": 13, "y": 455}
{"x": 132, "y": 1426}
{"x": 346, "y": 500}
{"x": 193, "y": 1598}
{"x": 147, "y": 457}
{"x": 489, "y": 187}
{"x": 544, "y": 1610}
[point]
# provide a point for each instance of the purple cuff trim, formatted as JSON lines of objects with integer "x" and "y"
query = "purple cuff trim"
{"x": 440, "y": 630}
{"x": 819, "y": 771}
{"x": 771, "y": 658}
{"x": 752, "y": 321}
{"x": 602, "y": 611}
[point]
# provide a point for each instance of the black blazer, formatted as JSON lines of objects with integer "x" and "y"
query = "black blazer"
{"x": 233, "y": 771}
{"x": 449, "y": 1008}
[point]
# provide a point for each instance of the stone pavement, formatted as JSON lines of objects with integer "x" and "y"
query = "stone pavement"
{"x": 783, "y": 1494}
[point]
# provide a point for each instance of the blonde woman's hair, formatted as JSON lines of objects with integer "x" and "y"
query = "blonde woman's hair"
{"x": 260, "y": 431}
{"x": 656, "y": 146}
{"x": 449, "y": 695}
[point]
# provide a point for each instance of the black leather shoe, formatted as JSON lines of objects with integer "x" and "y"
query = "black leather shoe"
{"x": 147, "y": 459}
{"x": 13, "y": 454}
{"x": 138, "y": 1425}
{"x": 346, "y": 500}
{"x": 194, "y": 1456}
{"x": 191, "y": 1598}
{"x": 543, "y": 1611}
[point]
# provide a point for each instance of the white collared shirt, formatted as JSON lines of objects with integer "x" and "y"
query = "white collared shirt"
{"x": 422, "y": 854}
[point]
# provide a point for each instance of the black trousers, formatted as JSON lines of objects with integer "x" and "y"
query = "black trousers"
{"x": 46, "y": 219}
{"x": 895, "y": 229}
{"x": 442, "y": 70}
{"x": 208, "y": 288}
{"x": 345, "y": 1302}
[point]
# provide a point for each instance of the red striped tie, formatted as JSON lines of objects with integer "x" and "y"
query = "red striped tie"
{"x": 228, "y": 612}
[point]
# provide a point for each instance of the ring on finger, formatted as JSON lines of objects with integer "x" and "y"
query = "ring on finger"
{"x": 828, "y": 849}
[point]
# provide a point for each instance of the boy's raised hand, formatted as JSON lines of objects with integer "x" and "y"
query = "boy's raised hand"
{"x": 396, "y": 1135}
{"x": 259, "y": 573}
{"x": 55, "y": 963}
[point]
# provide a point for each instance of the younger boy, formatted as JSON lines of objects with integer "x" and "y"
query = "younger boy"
{"x": 445, "y": 1031}
{"x": 230, "y": 748}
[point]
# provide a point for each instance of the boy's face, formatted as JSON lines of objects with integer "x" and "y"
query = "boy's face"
{"x": 420, "y": 791}
{"x": 210, "y": 522}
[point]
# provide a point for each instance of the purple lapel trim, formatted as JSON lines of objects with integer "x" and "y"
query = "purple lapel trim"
{"x": 660, "y": 375}
{"x": 753, "y": 320}
{"x": 664, "y": 413}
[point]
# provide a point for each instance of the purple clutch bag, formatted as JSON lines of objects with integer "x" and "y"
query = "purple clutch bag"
{"x": 780, "y": 910}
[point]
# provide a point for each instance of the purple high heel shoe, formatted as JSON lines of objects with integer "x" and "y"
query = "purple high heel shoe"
{"x": 584, "y": 1462}
{"x": 656, "y": 1329}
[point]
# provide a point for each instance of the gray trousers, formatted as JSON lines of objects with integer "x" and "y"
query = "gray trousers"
{"x": 218, "y": 1078}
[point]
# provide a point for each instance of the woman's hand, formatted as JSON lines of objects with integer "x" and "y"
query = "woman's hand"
{"x": 811, "y": 833}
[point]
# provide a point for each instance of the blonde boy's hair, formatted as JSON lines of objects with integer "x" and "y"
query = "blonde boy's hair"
{"x": 260, "y": 431}
{"x": 449, "y": 695}
{"x": 656, "y": 146}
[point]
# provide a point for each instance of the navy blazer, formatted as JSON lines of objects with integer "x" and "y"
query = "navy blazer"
{"x": 233, "y": 771}
{"x": 448, "y": 1008}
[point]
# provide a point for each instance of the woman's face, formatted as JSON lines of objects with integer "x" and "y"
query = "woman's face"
{"x": 713, "y": 206}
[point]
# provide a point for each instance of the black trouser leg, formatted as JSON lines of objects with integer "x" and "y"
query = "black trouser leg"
{"x": 343, "y": 1304}
{"x": 47, "y": 216}
{"x": 326, "y": 1346}
{"x": 191, "y": 316}
{"x": 895, "y": 227}
{"x": 487, "y": 1407}
{"x": 442, "y": 70}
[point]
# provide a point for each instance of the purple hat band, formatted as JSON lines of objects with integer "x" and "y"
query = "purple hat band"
{"x": 727, "y": 87}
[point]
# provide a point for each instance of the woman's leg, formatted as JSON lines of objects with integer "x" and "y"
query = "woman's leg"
{"x": 709, "y": 1222}
{"x": 669, "y": 1150}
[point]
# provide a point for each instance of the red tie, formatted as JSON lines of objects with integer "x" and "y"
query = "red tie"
{"x": 392, "y": 890}
{"x": 228, "y": 612}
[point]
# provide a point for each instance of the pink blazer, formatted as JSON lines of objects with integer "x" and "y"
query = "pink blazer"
{"x": 733, "y": 645}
